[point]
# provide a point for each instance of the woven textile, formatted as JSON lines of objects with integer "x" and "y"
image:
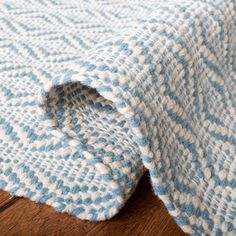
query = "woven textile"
{"x": 95, "y": 92}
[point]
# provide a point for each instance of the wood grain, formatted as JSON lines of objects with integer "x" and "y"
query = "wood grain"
{"x": 6, "y": 201}
{"x": 4, "y": 197}
{"x": 144, "y": 214}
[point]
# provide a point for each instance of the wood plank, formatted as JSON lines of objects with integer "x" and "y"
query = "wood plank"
{"x": 28, "y": 218}
{"x": 4, "y": 196}
{"x": 6, "y": 200}
{"x": 144, "y": 214}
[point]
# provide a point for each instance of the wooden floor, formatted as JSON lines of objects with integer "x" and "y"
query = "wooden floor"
{"x": 144, "y": 214}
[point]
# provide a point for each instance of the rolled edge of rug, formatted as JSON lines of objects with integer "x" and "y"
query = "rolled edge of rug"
{"x": 118, "y": 168}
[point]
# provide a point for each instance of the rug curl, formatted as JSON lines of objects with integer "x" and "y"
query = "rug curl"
{"x": 94, "y": 93}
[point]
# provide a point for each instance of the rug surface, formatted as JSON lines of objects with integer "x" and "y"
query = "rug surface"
{"x": 95, "y": 92}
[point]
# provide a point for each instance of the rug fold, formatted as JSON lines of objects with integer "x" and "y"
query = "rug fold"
{"x": 93, "y": 94}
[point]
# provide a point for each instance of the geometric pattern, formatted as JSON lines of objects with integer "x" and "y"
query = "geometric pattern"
{"x": 94, "y": 93}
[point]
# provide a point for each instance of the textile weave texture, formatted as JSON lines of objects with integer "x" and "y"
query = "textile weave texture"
{"x": 95, "y": 92}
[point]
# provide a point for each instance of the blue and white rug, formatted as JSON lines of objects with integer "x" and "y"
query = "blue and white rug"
{"x": 95, "y": 92}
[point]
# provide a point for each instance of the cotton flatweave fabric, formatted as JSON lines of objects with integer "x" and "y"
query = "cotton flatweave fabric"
{"x": 95, "y": 92}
